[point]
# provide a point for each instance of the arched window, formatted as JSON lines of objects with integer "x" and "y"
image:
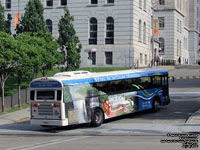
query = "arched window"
{"x": 49, "y": 25}
{"x": 162, "y": 2}
{"x": 144, "y": 33}
{"x": 180, "y": 47}
{"x": 93, "y": 31}
{"x": 140, "y": 31}
{"x": 109, "y": 31}
{"x": 162, "y": 44}
{"x": 63, "y": 2}
{"x": 140, "y": 3}
{"x": 94, "y": 1}
{"x": 177, "y": 47}
{"x": 145, "y": 4}
{"x": 49, "y": 3}
{"x": 8, "y": 4}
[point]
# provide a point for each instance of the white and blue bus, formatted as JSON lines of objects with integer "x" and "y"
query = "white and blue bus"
{"x": 82, "y": 97}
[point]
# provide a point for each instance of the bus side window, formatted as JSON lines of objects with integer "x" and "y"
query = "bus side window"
{"x": 164, "y": 80}
{"x": 156, "y": 81}
{"x": 67, "y": 95}
{"x": 145, "y": 82}
{"x": 102, "y": 86}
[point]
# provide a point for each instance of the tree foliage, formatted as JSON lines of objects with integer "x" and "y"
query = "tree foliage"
{"x": 43, "y": 53}
{"x": 69, "y": 41}
{"x": 33, "y": 19}
{"x": 8, "y": 59}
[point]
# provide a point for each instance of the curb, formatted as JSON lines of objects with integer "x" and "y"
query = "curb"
{"x": 194, "y": 118}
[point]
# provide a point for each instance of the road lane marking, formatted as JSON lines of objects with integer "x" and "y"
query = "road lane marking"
{"x": 52, "y": 142}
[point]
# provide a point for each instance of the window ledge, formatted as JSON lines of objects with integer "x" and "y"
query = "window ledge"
{"x": 92, "y": 5}
{"x": 109, "y": 4}
{"x": 7, "y": 9}
{"x": 48, "y": 7}
{"x": 61, "y": 6}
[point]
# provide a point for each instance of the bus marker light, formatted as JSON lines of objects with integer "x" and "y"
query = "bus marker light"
{"x": 56, "y": 105}
{"x": 34, "y": 105}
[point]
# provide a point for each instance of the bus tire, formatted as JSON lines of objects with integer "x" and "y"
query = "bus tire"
{"x": 155, "y": 105}
{"x": 97, "y": 118}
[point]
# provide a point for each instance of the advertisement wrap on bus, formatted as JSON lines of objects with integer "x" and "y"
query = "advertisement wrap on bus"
{"x": 84, "y": 97}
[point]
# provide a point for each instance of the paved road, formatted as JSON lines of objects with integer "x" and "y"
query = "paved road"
{"x": 142, "y": 130}
{"x": 87, "y": 143}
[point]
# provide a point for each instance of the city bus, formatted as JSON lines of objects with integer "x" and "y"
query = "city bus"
{"x": 79, "y": 97}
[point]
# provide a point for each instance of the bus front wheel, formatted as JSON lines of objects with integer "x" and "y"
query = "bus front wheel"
{"x": 97, "y": 118}
{"x": 155, "y": 105}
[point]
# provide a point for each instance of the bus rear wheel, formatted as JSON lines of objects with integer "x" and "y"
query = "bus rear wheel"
{"x": 97, "y": 118}
{"x": 155, "y": 105}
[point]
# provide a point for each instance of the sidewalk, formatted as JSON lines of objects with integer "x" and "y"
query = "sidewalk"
{"x": 15, "y": 117}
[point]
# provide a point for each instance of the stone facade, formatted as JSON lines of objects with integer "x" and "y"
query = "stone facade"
{"x": 118, "y": 33}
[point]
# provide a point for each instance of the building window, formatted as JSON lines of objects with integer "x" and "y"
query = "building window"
{"x": 94, "y": 2}
{"x": 162, "y": 2}
{"x": 63, "y": 2}
{"x": 177, "y": 47}
{"x": 8, "y": 4}
{"x": 145, "y": 59}
{"x": 162, "y": 44}
{"x": 140, "y": 31}
{"x": 140, "y": 3}
{"x": 93, "y": 31}
{"x": 49, "y": 3}
{"x": 49, "y": 25}
{"x": 161, "y": 22}
{"x": 109, "y": 58}
{"x": 141, "y": 61}
{"x": 109, "y": 31}
{"x": 92, "y": 57}
{"x": 144, "y": 33}
{"x": 178, "y": 25}
{"x": 180, "y": 47}
{"x": 110, "y": 1}
{"x": 145, "y": 4}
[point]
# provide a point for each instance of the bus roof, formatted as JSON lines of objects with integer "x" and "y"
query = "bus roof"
{"x": 79, "y": 78}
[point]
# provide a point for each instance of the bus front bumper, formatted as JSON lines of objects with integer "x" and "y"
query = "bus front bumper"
{"x": 49, "y": 122}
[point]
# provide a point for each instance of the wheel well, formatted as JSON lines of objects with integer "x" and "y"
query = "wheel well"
{"x": 158, "y": 99}
{"x": 101, "y": 110}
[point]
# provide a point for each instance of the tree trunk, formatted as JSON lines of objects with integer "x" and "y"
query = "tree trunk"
{"x": 2, "y": 94}
{"x": 35, "y": 72}
{"x": 19, "y": 94}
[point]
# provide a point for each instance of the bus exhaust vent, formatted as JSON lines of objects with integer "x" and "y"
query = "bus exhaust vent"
{"x": 45, "y": 110}
{"x": 71, "y": 73}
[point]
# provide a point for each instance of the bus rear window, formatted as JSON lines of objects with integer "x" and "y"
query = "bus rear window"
{"x": 32, "y": 95}
{"x": 59, "y": 95}
{"x": 45, "y": 95}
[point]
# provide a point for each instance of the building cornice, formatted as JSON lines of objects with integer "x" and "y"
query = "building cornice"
{"x": 169, "y": 9}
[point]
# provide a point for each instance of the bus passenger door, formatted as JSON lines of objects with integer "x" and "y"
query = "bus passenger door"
{"x": 165, "y": 89}
{"x": 70, "y": 112}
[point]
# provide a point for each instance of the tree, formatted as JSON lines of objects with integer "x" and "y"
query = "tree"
{"x": 43, "y": 52}
{"x": 7, "y": 59}
{"x": 69, "y": 42}
{"x": 33, "y": 19}
{"x": 23, "y": 66}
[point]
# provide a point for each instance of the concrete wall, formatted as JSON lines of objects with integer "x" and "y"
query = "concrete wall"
{"x": 11, "y": 101}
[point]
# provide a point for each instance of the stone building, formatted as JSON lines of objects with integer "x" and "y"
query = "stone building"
{"x": 118, "y": 33}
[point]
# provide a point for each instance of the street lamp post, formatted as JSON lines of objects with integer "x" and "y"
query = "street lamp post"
{"x": 90, "y": 56}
